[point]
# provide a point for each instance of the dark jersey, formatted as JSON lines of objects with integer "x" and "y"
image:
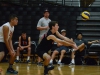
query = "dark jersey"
{"x": 24, "y": 42}
{"x": 45, "y": 45}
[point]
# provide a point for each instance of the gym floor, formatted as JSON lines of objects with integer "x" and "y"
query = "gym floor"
{"x": 33, "y": 69}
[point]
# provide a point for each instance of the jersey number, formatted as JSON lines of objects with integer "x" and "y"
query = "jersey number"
{"x": 24, "y": 43}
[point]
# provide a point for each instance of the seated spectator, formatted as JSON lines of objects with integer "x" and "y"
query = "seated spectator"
{"x": 24, "y": 44}
{"x": 60, "y": 49}
{"x": 81, "y": 43}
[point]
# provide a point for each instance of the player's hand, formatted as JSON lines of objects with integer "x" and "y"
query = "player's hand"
{"x": 96, "y": 40}
{"x": 71, "y": 39}
{"x": 22, "y": 47}
{"x": 59, "y": 44}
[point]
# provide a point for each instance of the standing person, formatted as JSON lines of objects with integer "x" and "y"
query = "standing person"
{"x": 47, "y": 43}
{"x": 24, "y": 44}
{"x": 6, "y": 33}
{"x": 42, "y": 26}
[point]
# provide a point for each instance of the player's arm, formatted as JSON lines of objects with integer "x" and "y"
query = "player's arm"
{"x": 52, "y": 37}
{"x": 64, "y": 38}
{"x": 39, "y": 26}
{"x": 10, "y": 41}
{"x": 19, "y": 42}
{"x": 29, "y": 43}
{"x": 90, "y": 42}
{"x": 6, "y": 40}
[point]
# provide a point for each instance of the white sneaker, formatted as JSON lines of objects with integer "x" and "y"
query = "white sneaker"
{"x": 59, "y": 63}
{"x": 72, "y": 63}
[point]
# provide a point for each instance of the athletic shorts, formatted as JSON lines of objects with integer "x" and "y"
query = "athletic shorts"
{"x": 3, "y": 48}
{"x": 59, "y": 49}
{"x": 40, "y": 52}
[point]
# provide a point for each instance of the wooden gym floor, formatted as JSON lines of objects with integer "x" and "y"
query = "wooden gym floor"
{"x": 33, "y": 69}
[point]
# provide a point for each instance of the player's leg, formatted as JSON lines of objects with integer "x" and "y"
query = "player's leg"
{"x": 46, "y": 57}
{"x": 11, "y": 62}
{"x": 47, "y": 67}
{"x": 18, "y": 54}
{"x": 61, "y": 57}
{"x": 39, "y": 59}
{"x": 63, "y": 51}
{"x": 55, "y": 52}
{"x": 28, "y": 54}
{"x": 72, "y": 58}
{"x": 81, "y": 47}
{"x": 1, "y": 55}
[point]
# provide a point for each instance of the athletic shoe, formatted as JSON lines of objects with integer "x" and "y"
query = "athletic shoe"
{"x": 50, "y": 67}
{"x": 59, "y": 63}
{"x": 17, "y": 61}
{"x": 72, "y": 63}
{"x": 11, "y": 71}
{"x": 39, "y": 64}
{"x": 50, "y": 63}
{"x": 28, "y": 61}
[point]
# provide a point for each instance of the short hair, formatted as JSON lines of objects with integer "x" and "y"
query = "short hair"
{"x": 23, "y": 32}
{"x": 12, "y": 16}
{"x": 52, "y": 23}
{"x": 78, "y": 34}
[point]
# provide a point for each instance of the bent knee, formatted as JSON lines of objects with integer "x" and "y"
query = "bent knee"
{"x": 2, "y": 54}
{"x": 29, "y": 48}
{"x": 46, "y": 56}
{"x": 55, "y": 52}
{"x": 63, "y": 51}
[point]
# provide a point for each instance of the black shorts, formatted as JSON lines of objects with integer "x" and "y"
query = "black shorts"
{"x": 40, "y": 52}
{"x": 59, "y": 49}
{"x": 3, "y": 48}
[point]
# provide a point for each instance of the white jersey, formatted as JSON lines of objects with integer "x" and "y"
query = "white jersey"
{"x": 11, "y": 30}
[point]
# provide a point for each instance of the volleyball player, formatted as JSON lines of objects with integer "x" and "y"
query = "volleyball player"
{"x": 47, "y": 43}
{"x": 6, "y": 47}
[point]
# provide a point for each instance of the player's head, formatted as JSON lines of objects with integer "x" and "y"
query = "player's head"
{"x": 46, "y": 13}
{"x": 79, "y": 35}
{"x": 23, "y": 35}
{"x": 63, "y": 32}
{"x": 13, "y": 19}
{"x": 53, "y": 25}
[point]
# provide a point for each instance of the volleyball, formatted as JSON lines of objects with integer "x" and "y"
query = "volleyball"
{"x": 85, "y": 15}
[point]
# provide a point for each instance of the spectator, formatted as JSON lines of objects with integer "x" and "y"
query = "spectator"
{"x": 42, "y": 26}
{"x": 81, "y": 43}
{"x": 24, "y": 44}
{"x": 60, "y": 49}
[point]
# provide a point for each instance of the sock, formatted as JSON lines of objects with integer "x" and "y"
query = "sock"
{"x": 73, "y": 61}
{"x": 28, "y": 57}
{"x": 51, "y": 61}
{"x": 74, "y": 50}
{"x": 59, "y": 61}
{"x": 17, "y": 58}
{"x": 10, "y": 65}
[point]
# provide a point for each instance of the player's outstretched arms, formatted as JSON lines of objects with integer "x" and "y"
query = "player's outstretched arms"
{"x": 65, "y": 43}
{"x": 64, "y": 38}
